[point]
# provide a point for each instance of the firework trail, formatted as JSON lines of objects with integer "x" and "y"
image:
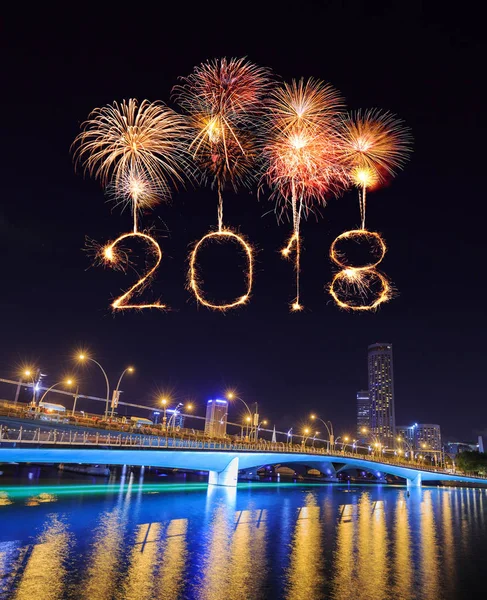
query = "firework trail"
{"x": 376, "y": 145}
{"x": 305, "y": 163}
{"x": 136, "y": 151}
{"x": 223, "y": 99}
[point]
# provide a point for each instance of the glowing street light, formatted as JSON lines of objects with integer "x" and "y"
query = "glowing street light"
{"x": 116, "y": 392}
{"x": 82, "y": 357}
{"x": 329, "y": 429}
{"x": 67, "y": 382}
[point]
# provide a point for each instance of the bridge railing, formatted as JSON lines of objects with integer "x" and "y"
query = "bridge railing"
{"x": 56, "y": 437}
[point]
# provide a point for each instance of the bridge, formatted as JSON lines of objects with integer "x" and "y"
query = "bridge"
{"x": 222, "y": 460}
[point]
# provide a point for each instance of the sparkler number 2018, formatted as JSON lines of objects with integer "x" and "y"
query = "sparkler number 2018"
{"x": 239, "y": 128}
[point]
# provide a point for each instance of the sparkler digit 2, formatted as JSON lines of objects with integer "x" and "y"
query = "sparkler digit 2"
{"x": 136, "y": 151}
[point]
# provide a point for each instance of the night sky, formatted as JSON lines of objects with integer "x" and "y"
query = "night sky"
{"x": 424, "y": 64}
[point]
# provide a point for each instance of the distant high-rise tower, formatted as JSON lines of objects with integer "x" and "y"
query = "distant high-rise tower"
{"x": 216, "y": 418}
{"x": 381, "y": 389}
{"x": 363, "y": 414}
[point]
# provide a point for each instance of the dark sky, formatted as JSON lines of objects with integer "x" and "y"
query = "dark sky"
{"x": 423, "y": 63}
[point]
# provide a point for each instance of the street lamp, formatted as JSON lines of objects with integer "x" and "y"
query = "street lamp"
{"x": 116, "y": 391}
{"x": 329, "y": 429}
{"x": 263, "y": 422}
{"x": 82, "y": 357}
{"x": 164, "y": 407}
{"x": 175, "y": 412}
{"x": 31, "y": 374}
{"x": 314, "y": 437}
{"x": 232, "y": 396}
{"x": 67, "y": 382}
{"x": 305, "y": 437}
{"x": 248, "y": 420}
{"x": 408, "y": 446}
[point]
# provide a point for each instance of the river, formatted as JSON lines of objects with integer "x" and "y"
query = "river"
{"x": 169, "y": 537}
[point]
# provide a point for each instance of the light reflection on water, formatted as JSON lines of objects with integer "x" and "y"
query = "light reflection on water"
{"x": 142, "y": 541}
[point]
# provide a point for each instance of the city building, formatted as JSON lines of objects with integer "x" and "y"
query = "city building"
{"x": 363, "y": 414}
{"x": 381, "y": 389}
{"x": 421, "y": 436}
{"x": 406, "y": 433}
{"x": 453, "y": 448}
{"x": 216, "y": 418}
{"x": 428, "y": 437}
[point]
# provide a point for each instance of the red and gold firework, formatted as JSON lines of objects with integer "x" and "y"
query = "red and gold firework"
{"x": 304, "y": 160}
{"x": 376, "y": 145}
{"x": 223, "y": 99}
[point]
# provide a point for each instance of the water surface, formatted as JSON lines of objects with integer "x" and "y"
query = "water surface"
{"x": 139, "y": 540}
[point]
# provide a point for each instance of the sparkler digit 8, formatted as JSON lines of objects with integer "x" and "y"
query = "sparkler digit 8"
{"x": 375, "y": 145}
{"x": 351, "y": 286}
{"x": 136, "y": 151}
{"x": 223, "y": 99}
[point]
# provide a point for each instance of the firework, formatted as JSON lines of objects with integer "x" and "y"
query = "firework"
{"x": 223, "y": 99}
{"x": 136, "y": 151}
{"x": 110, "y": 255}
{"x": 305, "y": 162}
{"x": 376, "y": 145}
{"x": 120, "y": 139}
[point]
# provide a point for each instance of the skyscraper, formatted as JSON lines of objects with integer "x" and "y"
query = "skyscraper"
{"x": 216, "y": 418}
{"x": 363, "y": 414}
{"x": 381, "y": 389}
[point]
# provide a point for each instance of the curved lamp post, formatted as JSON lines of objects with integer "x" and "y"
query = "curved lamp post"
{"x": 83, "y": 357}
{"x": 233, "y": 396}
{"x": 67, "y": 382}
{"x": 115, "y": 394}
{"x": 264, "y": 422}
{"x": 408, "y": 446}
{"x": 32, "y": 376}
{"x": 329, "y": 429}
{"x": 175, "y": 412}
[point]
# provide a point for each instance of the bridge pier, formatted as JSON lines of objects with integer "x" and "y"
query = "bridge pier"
{"x": 414, "y": 481}
{"x": 227, "y": 477}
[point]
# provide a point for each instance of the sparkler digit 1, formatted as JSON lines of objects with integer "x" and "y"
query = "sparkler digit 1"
{"x": 375, "y": 144}
{"x": 304, "y": 161}
{"x": 136, "y": 151}
{"x": 223, "y": 99}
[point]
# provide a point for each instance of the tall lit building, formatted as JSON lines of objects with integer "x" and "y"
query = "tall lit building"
{"x": 216, "y": 418}
{"x": 428, "y": 437}
{"x": 406, "y": 433}
{"x": 421, "y": 436}
{"x": 381, "y": 389}
{"x": 363, "y": 414}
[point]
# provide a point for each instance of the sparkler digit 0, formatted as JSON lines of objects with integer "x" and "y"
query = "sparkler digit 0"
{"x": 136, "y": 151}
{"x": 223, "y": 99}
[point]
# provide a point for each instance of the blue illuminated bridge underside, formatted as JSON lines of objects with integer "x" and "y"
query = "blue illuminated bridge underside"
{"x": 222, "y": 465}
